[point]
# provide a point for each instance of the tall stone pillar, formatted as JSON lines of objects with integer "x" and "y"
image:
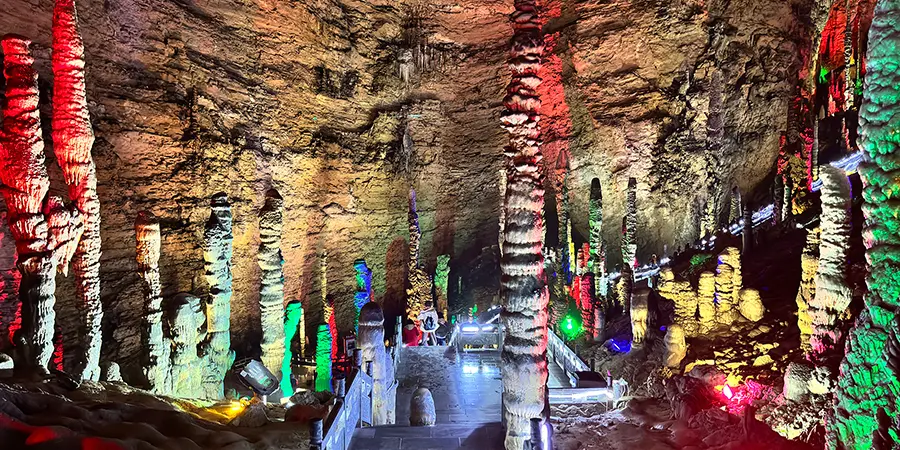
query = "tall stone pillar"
{"x": 217, "y": 252}
{"x": 158, "y": 365}
{"x": 371, "y": 342}
{"x": 271, "y": 287}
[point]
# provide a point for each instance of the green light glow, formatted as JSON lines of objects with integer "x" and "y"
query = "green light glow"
{"x": 571, "y": 325}
{"x": 823, "y": 75}
{"x": 293, "y": 314}
{"x": 323, "y": 359}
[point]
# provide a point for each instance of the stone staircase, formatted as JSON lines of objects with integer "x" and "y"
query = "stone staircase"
{"x": 463, "y": 436}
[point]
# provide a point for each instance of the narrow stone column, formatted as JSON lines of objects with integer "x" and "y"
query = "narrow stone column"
{"x": 293, "y": 317}
{"x": 24, "y": 174}
{"x": 271, "y": 287}
{"x": 188, "y": 379}
{"x": 419, "y": 284}
{"x": 323, "y": 358}
{"x": 441, "y": 282}
{"x": 523, "y": 284}
{"x": 158, "y": 365}
{"x": 217, "y": 251}
{"x": 598, "y": 252}
{"x": 73, "y": 138}
{"x": 371, "y": 342}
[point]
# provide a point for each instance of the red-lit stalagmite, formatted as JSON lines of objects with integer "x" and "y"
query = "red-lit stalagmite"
{"x": 523, "y": 283}
{"x": 271, "y": 287}
{"x": 24, "y": 176}
{"x": 158, "y": 365}
{"x": 72, "y": 142}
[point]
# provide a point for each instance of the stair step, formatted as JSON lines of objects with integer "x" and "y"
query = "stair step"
{"x": 481, "y": 436}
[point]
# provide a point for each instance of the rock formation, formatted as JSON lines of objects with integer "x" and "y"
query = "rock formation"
{"x": 866, "y": 383}
{"x": 751, "y": 305}
{"x": 293, "y": 317}
{"x": 271, "y": 286}
{"x": 598, "y": 251}
{"x": 24, "y": 176}
{"x": 832, "y": 294}
{"x": 706, "y": 302}
{"x": 158, "y": 365}
{"x": 323, "y": 358}
{"x": 728, "y": 285}
{"x": 684, "y": 299}
{"x": 441, "y": 281}
{"x": 371, "y": 342}
{"x": 418, "y": 290}
{"x": 217, "y": 251}
{"x": 189, "y": 377}
{"x": 747, "y": 223}
{"x": 363, "y": 293}
{"x": 778, "y": 196}
{"x": 421, "y": 408}
{"x": 327, "y": 308}
{"x": 809, "y": 263}
{"x": 676, "y": 347}
{"x": 73, "y": 138}
{"x": 638, "y": 314}
{"x": 629, "y": 245}
{"x": 523, "y": 284}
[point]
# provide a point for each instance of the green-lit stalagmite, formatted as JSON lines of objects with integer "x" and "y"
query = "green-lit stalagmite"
{"x": 866, "y": 384}
{"x": 523, "y": 283}
{"x": 293, "y": 315}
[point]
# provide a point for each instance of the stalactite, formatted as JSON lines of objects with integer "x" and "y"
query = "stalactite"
{"x": 323, "y": 358}
{"x": 271, "y": 286}
{"x": 866, "y": 383}
{"x": 293, "y": 317}
{"x": 715, "y": 136}
{"x": 217, "y": 251}
{"x": 562, "y": 215}
{"x": 788, "y": 210}
{"x": 25, "y": 181}
{"x": 157, "y": 367}
{"x": 833, "y": 295}
{"x": 73, "y": 138}
{"x": 809, "y": 263}
{"x": 327, "y": 306}
{"x": 570, "y": 264}
{"x": 523, "y": 283}
{"x": 363, "y": 293}
{"x": 814, "y": 151}
{"x": 371, "y": 342}
{"x": 441, "y": 281}
{"x": 419, "y": 285}
{"x": 849, "y": 66}
{"x": 188, "y": 376}
{"x": 734, "y": 207}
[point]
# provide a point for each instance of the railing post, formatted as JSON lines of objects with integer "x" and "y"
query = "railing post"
{"x": 340, "y": 387}
{"x": 357, "y": 358}
{"x": 316, "y": 434}
{"x": 369, "y": 368}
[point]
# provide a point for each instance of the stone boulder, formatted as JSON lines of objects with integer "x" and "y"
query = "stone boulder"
{"x": 421, "y": 409}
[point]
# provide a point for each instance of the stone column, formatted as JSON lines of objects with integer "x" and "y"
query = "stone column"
{"x": 271, "y": 287}
{"x": 363, "y": 288}
{"x": 73, "y": 138}
{"x": 371, "y": 342}
{"x": 523, "y": 284}
{"x": 323, "y": 358}
{"x": 293, "y": 317}
{"x": 598, "y": 252}
{"x": 419, "y": 284}
{"x": 158, "y": 364}
{"x": 188, "y": 377}
{"x": 441, "y": 281}
{"x": 217, "y": 251}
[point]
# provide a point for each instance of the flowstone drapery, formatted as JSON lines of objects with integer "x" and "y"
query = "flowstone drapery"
{"x": 271, "y": 287}
{"x": 866, "y": 383}
{"x": 73, "y": 138}
{"x": 418, "y": 290}
{"x": 158, "y": 365}
{"x": 217, "y": 251}
{"x": 523, "y": 282}
{"x": 832, "y": 295}
{"x": 371, "y": 342}
{"x": 24, "y": 176}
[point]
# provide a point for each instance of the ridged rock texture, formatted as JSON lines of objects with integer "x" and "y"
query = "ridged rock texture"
{"x": 363, "y": 288}
{"x": 418, "y": 288}
{"x": 728, "y": 285}
{"x": 189, "y": 376}
{"x": 441, "y": 283}
{"x": 833, "y": 295}
{"x": 217, "y": 253}
{"x": 371, "y": 342}
{"x": 293, "y": 317}
{"x": 629, "y": 245}
{"x": 866, "y": 383}
{"x": 598, "y": 251}
{"x": 809, "y": 266}
{"x": 523, "y": 291}
{"x": 158, "y": 366}
{"x": 271, "y": 287}
{"x": 684, "y": 299}
{"x": 73, "y": 139}
{"x": 706, "y": 302}
{"x": 306, "y": 97}
{"x": 25, "y": 180}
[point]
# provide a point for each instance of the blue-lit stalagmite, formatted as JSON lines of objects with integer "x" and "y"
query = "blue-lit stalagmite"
{"x": 523, "y": 283}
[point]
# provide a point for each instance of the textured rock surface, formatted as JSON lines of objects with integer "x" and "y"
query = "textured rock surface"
{"x": 188, "y": 374}
{"x": 157, "y": 367}
{"x": 371, "y": 342}
{"x": 188, "y": 99}
{"x": 421, "y": 408}
{"x": 271, "y": 289}
{"x": 809, "y": 264}
{"x": 217, "y": 253}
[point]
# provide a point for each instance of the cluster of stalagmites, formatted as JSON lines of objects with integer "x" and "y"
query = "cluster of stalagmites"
{"x": 49, "y": 234}
{"x": 719, "y": 300}
{"x": 523, "y": 283}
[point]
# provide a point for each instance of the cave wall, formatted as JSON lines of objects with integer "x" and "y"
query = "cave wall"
{"x": 191, "y": 98}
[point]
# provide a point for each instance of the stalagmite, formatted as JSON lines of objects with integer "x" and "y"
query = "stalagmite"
{"x": 734, "y": 207}
{"x": 24, "y": 176}
{"x": 363, "y": 293}
{"x": 421, "y": 409}
{"x": 751, "y": 305}
{"x": 323, "y": 358}
{"x": 676, "y": 347}
{"x": 788, "y": 201}
{"x": 682, "y": 297}
{"x": 638, "y": 315}
{"x": 523, "y": 282}
{"x": 564, "y": 273}
{"x": 271, "y": 286}
{"x": 833, "y": 295}
{"x": 217, "y": 251}
{"x": 809, "y": 263}
{"x": 501, "y": 184}
{"x": 293, "y": 316}
{"x": 629, "y": 244}
{"x": 728, "y": 285}
{"x": 371, "y": 342}
{"x": 441, "y": 281}
{"x": 849, "y": 66}
{"x": 598, "y": 263}
{"x": 706, "y": 301}
{"x": 419, "y": 289}
{"x": 158, "y": 365}
{"x": 814, "y": 150}
{"x": 866, "y": 383}
{"x": 73, "y": 138}
{"x": 188, "y": 377}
